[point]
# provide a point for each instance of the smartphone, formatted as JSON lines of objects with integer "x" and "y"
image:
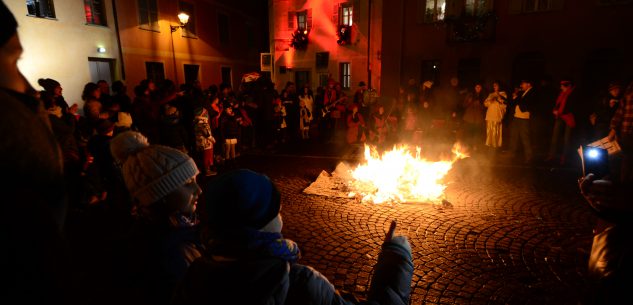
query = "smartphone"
{"x": 594, "y": 160}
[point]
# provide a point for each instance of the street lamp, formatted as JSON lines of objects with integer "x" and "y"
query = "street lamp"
{"x": 183, "y": 18}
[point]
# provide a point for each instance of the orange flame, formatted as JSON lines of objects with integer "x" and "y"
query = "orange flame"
{"x": 398, "y": 176}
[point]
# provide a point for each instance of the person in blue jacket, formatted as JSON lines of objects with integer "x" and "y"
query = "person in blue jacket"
{"x": 248, "y": 261}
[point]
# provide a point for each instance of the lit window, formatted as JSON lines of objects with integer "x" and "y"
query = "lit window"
{"x": 346, "y": 15}
{"x": 40, "y": 8}
{"x": 95, "y": 12}
{"x": 345, "y": 75}
{"x": 302, "y": 20}
{"x": 148, "y": 15}
{"x": 435, "y": 10}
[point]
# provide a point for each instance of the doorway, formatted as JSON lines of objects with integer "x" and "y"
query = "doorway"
{"x": 101, "y": 69}
{"x": 302, "y": 78}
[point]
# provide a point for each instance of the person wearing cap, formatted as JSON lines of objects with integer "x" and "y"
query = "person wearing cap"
{"x": 604, "y": 110}
{"x": 35, "y": 257}
{"x": 522, "y": 102}
{"x": 248, "y": 261}
{"x": 162, "y": 183}
{"x": 565, "y": 121}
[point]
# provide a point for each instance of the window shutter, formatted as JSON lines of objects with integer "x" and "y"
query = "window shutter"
{"x": 557, "y": 4}
{"x": 335, "y": 11}
{"x": 515, "y": 6}
{"x": 356, "y": 11}
{"x": 291, "y": 21}
{"x": 143, "y": 13}
{"x": 309, "y": 19}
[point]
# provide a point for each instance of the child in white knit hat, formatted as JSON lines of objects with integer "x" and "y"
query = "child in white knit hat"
{"x": 162, "y": 183}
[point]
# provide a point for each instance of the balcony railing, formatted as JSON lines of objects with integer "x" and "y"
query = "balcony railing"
{"x": 471, "y": 28}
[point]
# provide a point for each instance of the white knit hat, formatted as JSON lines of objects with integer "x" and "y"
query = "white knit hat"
{"x": 150, "y": 172}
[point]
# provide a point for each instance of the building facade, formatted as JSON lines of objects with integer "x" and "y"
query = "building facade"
{"x": 220, "y": 42}
{"x": 73, "y": 42}
{"x": 508, "y": 40}
{"x": 314, "y": 40}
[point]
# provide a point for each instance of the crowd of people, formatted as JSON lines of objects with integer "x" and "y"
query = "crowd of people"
{"x": 102, "y": 207}
{"x": 105, "y": 197}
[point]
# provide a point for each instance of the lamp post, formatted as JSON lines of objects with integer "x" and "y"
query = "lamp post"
{"x": 183, "y": 18}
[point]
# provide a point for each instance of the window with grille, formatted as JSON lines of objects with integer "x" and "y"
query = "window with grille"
{"x": 347, "y": 11}
{"x": 95, "y": 12}
{"x": 434, "y": 10}
{"x": 345, "y": 76}
{"x": 40, "y": 8}
{"x": 148, "y": 15}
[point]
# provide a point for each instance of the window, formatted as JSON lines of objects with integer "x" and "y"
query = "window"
{"x": 536, "y": 5}
{"x": 323, "y": 79}
{"x": 322, "y": 60}
{"x": 155, "y": 71}
{"x": 434, "y": 10}
{"x": 345, "y": 76}
{"x": 148, "y": 15}
{"x": 347, "y": 11}
{"x": 531, "y": 6}
{"x": 302, "y": 20}
{"x": 226, "y": 76}
{"x": 95, "y": 12}
{"x": 477, "y": 7}
{"x": 191, "y": 73}
{"x": 40, "y": 8}
{"x": 223, "y": 27}
{"x": 610, "y": 2}
{"x": 190, "y": 28}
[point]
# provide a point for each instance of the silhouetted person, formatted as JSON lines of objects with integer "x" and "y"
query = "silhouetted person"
{"x": 34, "y": 259}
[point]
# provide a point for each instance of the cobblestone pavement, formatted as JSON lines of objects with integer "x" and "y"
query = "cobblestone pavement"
{"x": 513, "y": 235}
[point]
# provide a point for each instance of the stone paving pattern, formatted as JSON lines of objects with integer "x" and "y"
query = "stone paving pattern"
{"x": 511, "y": 235}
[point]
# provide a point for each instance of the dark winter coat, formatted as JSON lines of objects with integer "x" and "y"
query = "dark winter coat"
{"x": 229, "y": 127}
{"x": 267, "y": 280}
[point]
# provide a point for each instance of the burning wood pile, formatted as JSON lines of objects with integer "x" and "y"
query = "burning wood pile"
{"x": 396, "y": 176}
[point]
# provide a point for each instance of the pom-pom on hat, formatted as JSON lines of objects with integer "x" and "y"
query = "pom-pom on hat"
{"x": 241, "y": 199}
{"x": 150, "y": 172}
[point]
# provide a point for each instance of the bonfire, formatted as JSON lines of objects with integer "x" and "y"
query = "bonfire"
{"x": 400, "y": 175}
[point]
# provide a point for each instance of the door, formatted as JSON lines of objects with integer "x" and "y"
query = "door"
{"x": 100, "y": 69}
{"x": 191, "y": 73}
{"x": 226, "y": 76}
{"x": 302, "y": 78}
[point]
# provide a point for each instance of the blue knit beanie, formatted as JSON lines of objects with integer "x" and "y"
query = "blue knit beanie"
{"x": 241, "y": 199}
